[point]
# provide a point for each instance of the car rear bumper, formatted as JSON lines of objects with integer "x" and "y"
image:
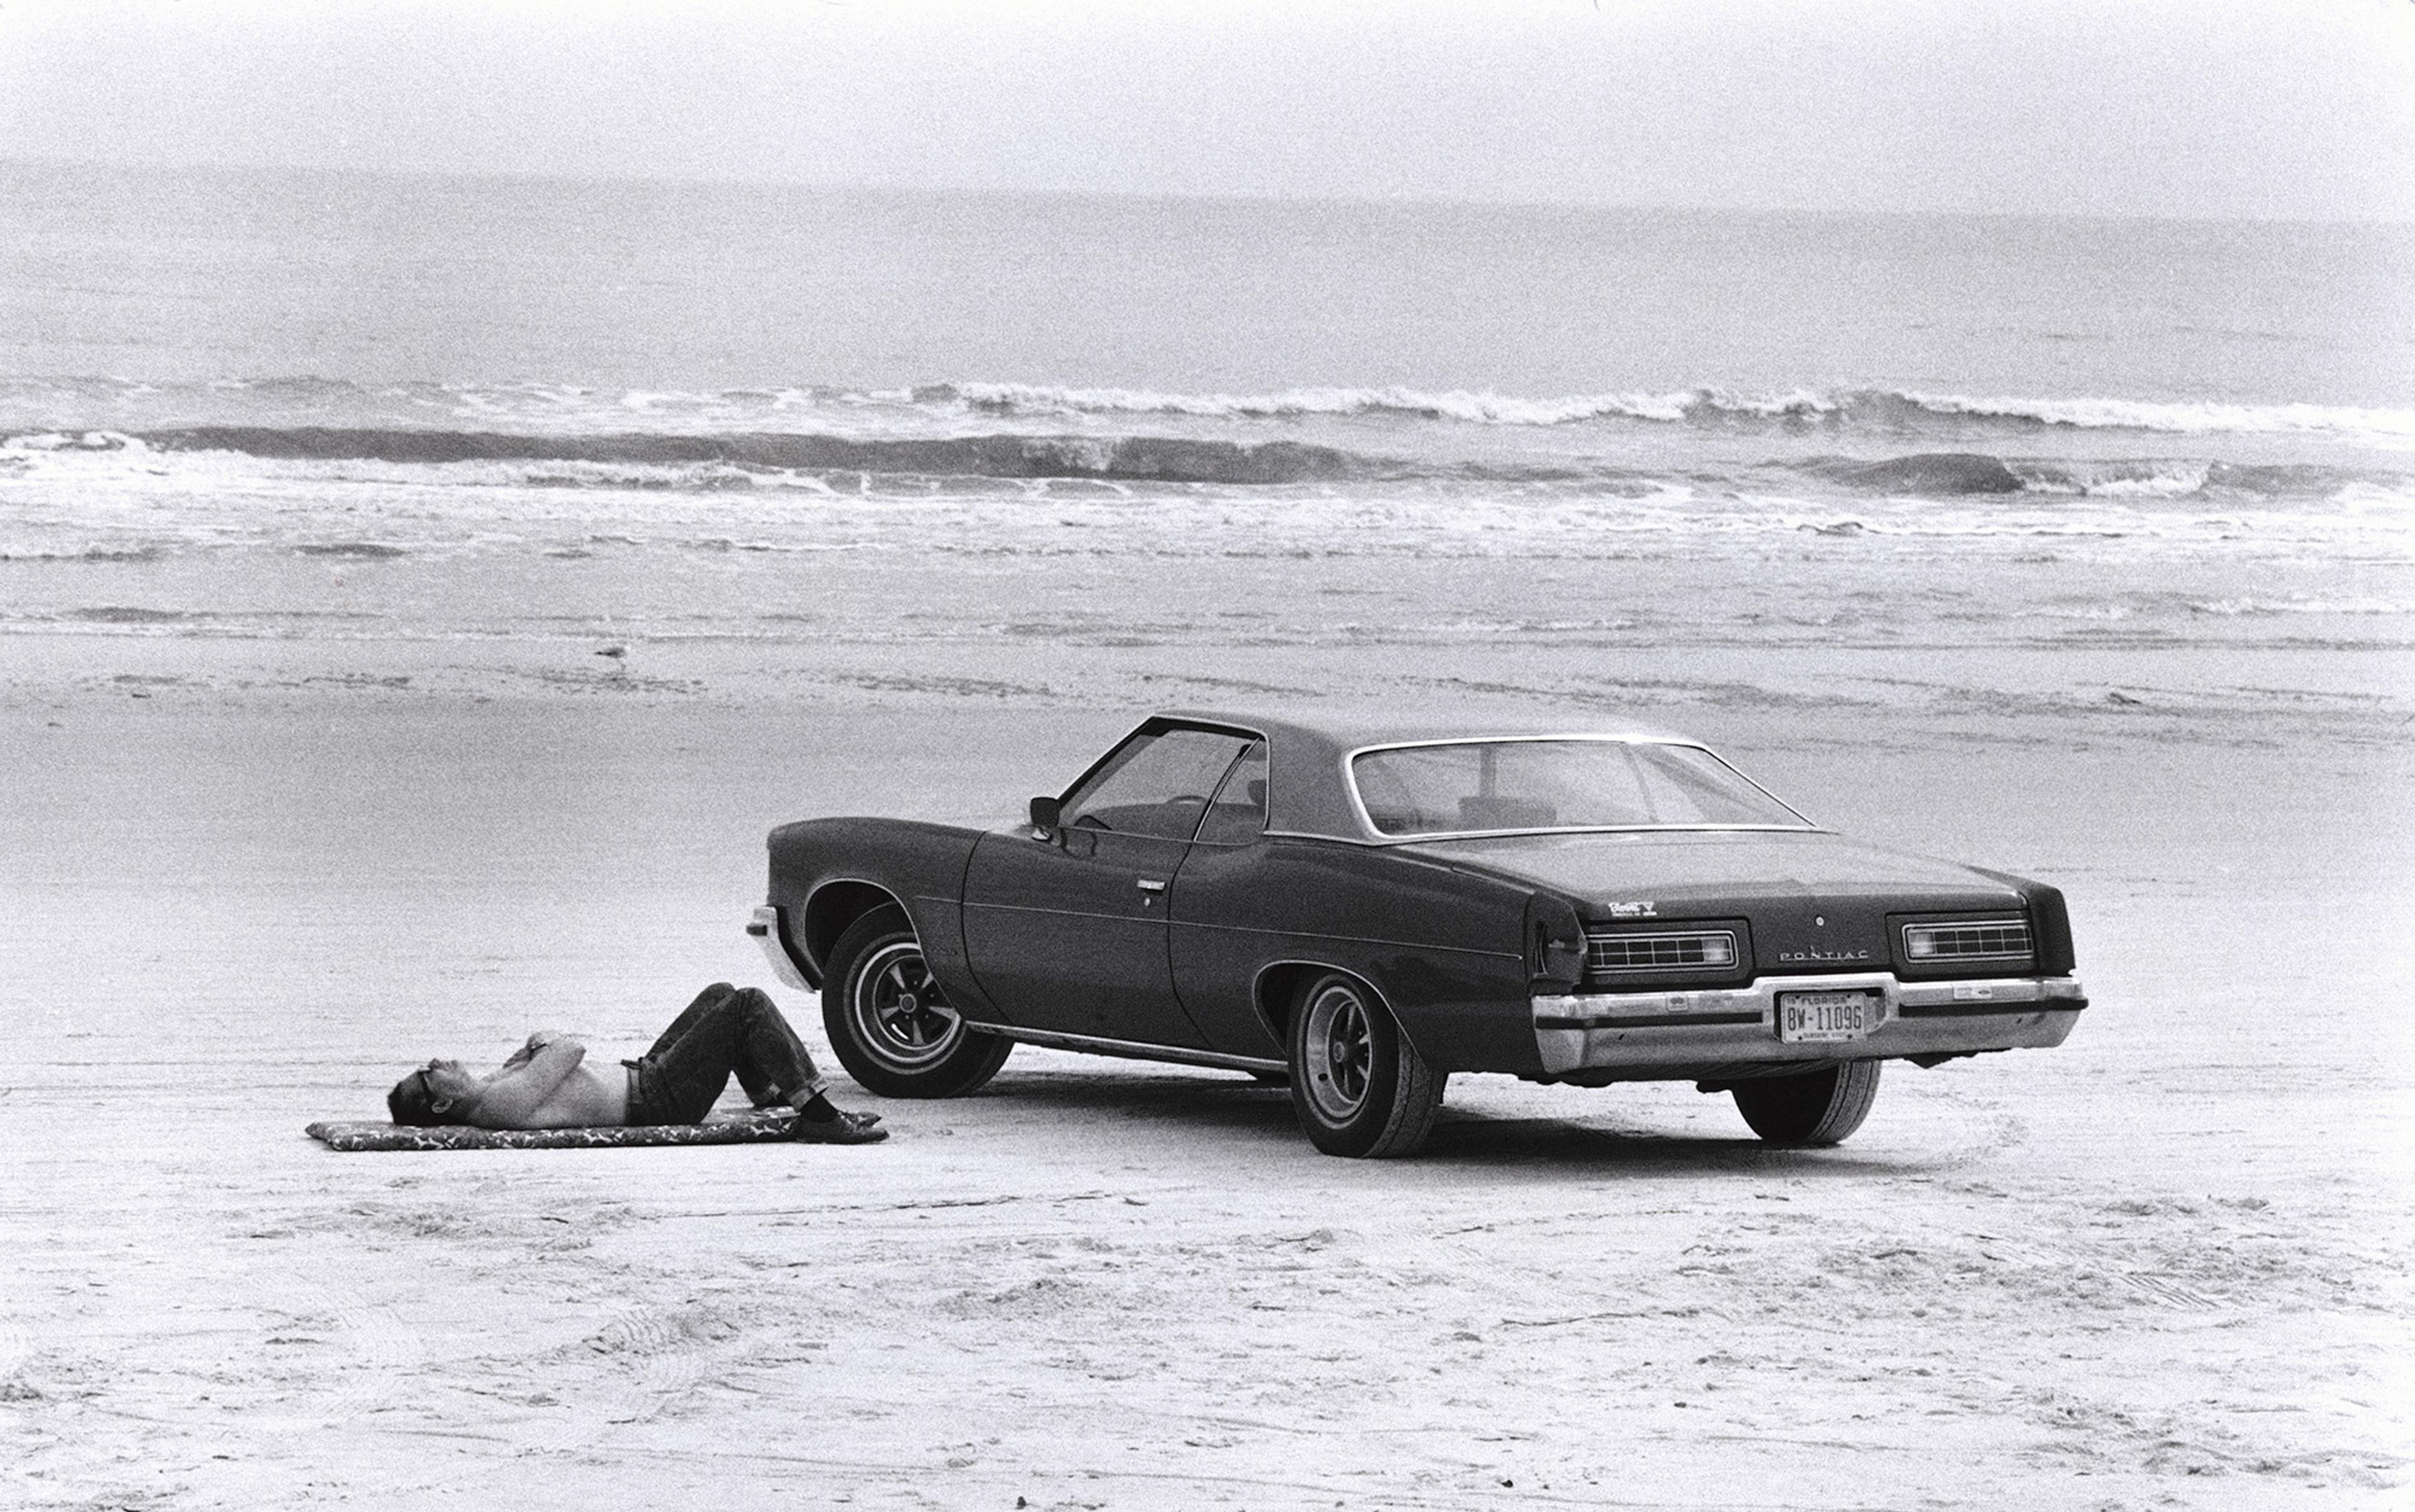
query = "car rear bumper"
{"x": 1738, "y": 1027}
{"x": 764, "y": 925}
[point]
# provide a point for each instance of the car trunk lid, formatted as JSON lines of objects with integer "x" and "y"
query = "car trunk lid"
{"x": 1815, "y": 902}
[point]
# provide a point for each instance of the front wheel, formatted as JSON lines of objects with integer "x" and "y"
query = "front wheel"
{"x": 1818, "y": 1107}
{"x": 1358, "y": 1085}
{"x": 890, "y": 1022}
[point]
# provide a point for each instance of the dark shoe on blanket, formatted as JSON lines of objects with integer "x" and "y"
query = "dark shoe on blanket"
{"x": 846, "y": 1129}
{"x": 822, "y": 1110}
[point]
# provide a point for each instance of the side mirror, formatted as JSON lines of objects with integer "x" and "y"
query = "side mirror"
{"x": 1044, "y": 814}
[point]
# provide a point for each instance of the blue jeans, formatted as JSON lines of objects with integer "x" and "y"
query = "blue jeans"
{"x": 726, "y": 1031}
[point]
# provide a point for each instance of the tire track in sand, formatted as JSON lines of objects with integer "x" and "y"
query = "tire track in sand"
{"x": 664, "y": 1354}
{"x": 2045, "y": 1257}
{"x": 375, "y": 1352}
{"x": 16, "y": 1348}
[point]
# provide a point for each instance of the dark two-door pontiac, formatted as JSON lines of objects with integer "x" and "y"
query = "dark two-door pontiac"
{"x": 1364, "y": 910}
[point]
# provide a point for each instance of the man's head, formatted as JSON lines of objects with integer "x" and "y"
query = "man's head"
{"x": 435, "y": 1094}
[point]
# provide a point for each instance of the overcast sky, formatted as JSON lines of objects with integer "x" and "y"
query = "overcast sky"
{"x": 2259, "y": 108}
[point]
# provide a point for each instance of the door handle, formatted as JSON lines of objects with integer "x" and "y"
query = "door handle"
{"x": 1150, "y": 884}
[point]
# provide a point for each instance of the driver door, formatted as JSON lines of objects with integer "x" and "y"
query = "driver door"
{"x": 1066, "y": 930}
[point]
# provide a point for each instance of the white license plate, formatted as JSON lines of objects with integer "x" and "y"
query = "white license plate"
{"x": 1826, "y": 1018}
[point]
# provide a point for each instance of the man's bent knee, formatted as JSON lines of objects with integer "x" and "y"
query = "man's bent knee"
{"x": 755, "y": 1000}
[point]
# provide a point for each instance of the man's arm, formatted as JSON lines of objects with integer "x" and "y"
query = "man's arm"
{"x": 528, "y": 1051}
{"x": 522, "y": 1085}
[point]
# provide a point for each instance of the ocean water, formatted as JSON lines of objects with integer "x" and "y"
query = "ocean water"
{"x": 304, "y": 405}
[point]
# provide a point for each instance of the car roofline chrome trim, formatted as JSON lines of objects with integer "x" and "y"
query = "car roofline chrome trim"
{"x": 1424, "y": 835}
{"x": 1125, "y": 1049}
{"x": 1572, "y": 829}
{"x": 1358, "y": 805}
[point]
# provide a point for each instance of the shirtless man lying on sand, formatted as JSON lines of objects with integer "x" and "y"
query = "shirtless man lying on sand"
{"x": 546, "y": 1083}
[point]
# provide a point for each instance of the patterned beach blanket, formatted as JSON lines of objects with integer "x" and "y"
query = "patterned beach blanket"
{"x": 722, "y": 1129}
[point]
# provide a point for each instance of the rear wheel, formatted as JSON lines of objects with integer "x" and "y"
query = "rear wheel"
{"x": 889, "y": 1020}
{"x": 1820, "y": 1107}
{"x": 1357, "y": 1086}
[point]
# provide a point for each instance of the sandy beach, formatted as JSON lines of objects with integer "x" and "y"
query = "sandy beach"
{"x": 456, "y": 496}
{"x": 247, "y": 882}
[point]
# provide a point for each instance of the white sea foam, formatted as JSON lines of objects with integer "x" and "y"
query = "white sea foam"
{"x": 2187, "y": 419}
{"x": 1474, "y": 407}
{"x": 2364, "y": 497}
{"x": 1709, "y": 403}
{"x": 81, "y": 440}
{"x": 1953, "y": 418}
{"x": 2249, "y": 605}
{"x": 2145, "y": 479}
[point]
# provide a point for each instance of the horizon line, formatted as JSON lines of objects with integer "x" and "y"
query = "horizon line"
{"x": 1373, "y": 201}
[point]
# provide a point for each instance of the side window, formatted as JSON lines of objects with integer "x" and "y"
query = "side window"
{"x": 1239, "y": 813}
{"x": 1157, "y": 785}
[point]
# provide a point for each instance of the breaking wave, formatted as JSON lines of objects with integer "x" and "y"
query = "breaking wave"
{"x": 68, "y": 404}
{"x": 1802, "y": 409}
{"x": 1936, "y": 472}
{"x": 704, "y": 462}
{"x": 1136, "y": 458}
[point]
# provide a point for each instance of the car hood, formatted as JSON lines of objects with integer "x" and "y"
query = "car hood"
{"x": 1679, "y": 871}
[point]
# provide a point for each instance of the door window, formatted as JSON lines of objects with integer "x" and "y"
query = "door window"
{"x": 1239, "y": 813}
{"x": 1155, "y": 785}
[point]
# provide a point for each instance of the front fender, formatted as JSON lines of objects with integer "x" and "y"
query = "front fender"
{"x": 825, "y": 873}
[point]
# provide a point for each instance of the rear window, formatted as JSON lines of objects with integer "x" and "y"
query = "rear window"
{"x": 1502, "y": 785}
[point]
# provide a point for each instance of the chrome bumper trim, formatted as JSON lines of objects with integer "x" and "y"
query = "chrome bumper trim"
{"x": 764, "y": 924}
{"x": 1579, "y": 1031}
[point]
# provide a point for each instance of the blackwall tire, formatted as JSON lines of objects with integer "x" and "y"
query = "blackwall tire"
{"x": 1359, "y": 1089}
{"x": 1821, "y": 1107}
{"x": 891, "y": 1025}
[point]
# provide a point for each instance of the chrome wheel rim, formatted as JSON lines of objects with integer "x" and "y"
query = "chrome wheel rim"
{"x": 1340, "y": 1049}
{"x": 900, "y": 1013}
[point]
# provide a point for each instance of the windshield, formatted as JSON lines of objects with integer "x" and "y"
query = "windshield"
{"x": 1479, "y": 786}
